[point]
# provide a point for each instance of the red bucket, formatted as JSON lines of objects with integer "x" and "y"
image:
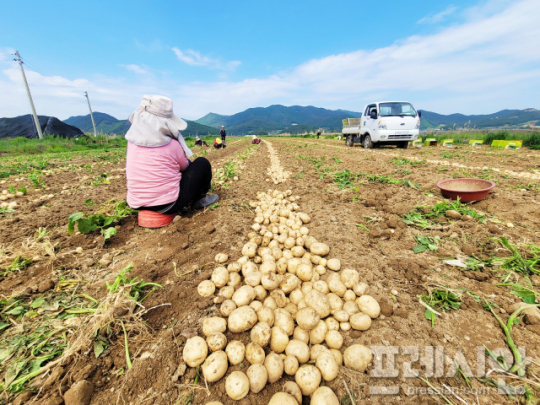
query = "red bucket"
{"x": 466, "y": 189}
{"x": 151, "y": 219}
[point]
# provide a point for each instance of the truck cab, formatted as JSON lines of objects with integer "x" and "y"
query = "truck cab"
{"x": 384, "y": 122}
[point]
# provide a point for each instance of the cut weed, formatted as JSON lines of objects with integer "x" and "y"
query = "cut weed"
{"x": 423, "y": 216}
{"x": 439, "y": 300}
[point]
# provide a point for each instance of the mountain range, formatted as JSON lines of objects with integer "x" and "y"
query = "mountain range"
{"x": 107, "y": 124}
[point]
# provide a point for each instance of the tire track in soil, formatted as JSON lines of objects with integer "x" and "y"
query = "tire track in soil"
{"x": 524, "y": 175}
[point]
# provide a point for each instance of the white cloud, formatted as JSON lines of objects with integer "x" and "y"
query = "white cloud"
{"x": 439, "y": 17}
{"x": 483, "y": 65}
{"x": 136, "y": 69}
{"x": 195, "y": 58}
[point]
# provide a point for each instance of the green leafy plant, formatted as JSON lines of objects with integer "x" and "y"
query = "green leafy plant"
{"x": 102, "y": 221}
{"x": 138, "y": 290}
{"x": 404, "y": 161}
{"x": 101, "y": 179}
{"x": 18, "y": 264}
{"x": 344, "y": 179}
{"x": 426, "y": 243}
{"x": 362, "y": 226}
{"x": 423, "y": 216}
{"x": 6, "y": 210}
{"x": 516, "y": 262}
{"x": 36, "y": 180}
{"x": 389, "y": 180}
{"x": 439, "y": 300}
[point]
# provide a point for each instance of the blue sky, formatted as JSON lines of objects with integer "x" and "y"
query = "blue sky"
{"x": 224, "y": 57}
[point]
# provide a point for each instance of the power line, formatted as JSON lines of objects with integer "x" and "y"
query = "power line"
{"x": 77, "y": 92}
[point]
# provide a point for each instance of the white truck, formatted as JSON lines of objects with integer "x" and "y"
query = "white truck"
{"x": 383, "y": 123}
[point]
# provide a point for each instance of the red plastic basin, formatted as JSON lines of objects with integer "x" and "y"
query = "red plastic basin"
{"x": 466, "y": 189}
{"x": 151, "y": 219}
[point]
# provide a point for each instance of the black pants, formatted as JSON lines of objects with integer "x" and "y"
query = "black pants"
{"x": 194, "y": 185}
{"x": 223, "y": 138}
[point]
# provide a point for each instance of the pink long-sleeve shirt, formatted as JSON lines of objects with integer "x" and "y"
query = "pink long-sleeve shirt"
{"x": 153, "y": 174}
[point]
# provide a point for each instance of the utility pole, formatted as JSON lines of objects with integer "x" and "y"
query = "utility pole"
{"x": 36, "y": 121}
{"x": 91, "y": 114}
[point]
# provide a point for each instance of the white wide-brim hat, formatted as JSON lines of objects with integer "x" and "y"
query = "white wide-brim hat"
{"x": 154, "y": 123}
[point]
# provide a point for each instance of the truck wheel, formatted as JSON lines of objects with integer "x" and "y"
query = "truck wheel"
{"x": 350, "y": 140}
{"x": 403, "y": 145}
{"x": 367, "y": 142}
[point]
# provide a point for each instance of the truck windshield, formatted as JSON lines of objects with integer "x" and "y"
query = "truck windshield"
{"x": 396, "y": 109}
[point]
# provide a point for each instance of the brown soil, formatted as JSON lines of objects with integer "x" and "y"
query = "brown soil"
{"x": 174, "y": 257}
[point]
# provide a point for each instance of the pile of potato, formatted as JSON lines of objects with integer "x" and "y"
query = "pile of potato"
{"x": 293, "y": 300}
{"x": 275, "y": 171}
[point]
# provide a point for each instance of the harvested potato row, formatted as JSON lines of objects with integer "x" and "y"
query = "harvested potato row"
{"x": 293, "y": 299}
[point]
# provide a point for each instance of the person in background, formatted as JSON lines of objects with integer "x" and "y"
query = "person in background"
{"x": 218, "y": 144}
{"x": 200, "y": 142}
{"x": 159, "y": 176}
{"x": 255, "y": 140}
{"x": 319, "y": 132}
{"x": 223, "y": 135}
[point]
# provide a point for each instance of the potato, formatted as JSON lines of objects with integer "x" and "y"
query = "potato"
{"x": 260, "y": 292}
{"x": 331, "y": 323}
{"x": 320, "y": 270}
{"x": 318, "y": 334}
{"x": 301, "y": 334}
{"x": 289, "y": 243}
{"x": 304, "y": 217}
{"x": 299, "y": 241}
{"x": 345, "y": 326}
{"x": 242, "y": 319}
{"x": 296, "y": 296}
{"x": 357, "y": 357}
{"x": 227, "y": 307}
{"x": 281, "y": 265}
{"x": 249, "y": 249}
{"x": 274, "y": 367}
{"x": 351, "y": 307}
{"x": 308, "y": 241}
{"x": 369, "y": 306}
{"x": 360, "y": 289}
{"x": 289, "y": 283}
{"x": 214, "y": 403}
{"x": 206, "y": 288}
{"x": 243, "y": 260}
{"x": 338, "y": 356}
{"x": 234, "y": 280}
{"x": 319, "y": 302}
{"x": 253, "y": 279}
{"x": 341, "y": 315}
{"x": 336, "y": 303}
{"x": 258, "y": 376}
{"x": 307, "y": 287}
{"x": 284, "y": 320}
{"x": 337, "y": 287}
{"x": 220, "y": 276}
{"x": 350, "y": 278}
{"x": 270, "y": 302}
{"x": 292, "y": 389}
{"x": 298, "y": 349}
{"x": 322, "y": 287}
{"x": 277, "y": 253}
{"x": 298, "y": 251}
{"x": 214, "y": 325}
{"x": 215, "y": 366}
{"x": 270, "y": 281}
{"x": 261, "y": 334}
{"x": 307, "y": 318}
{"x": 287, "y": 255}
{"x": 333, "y": 339}
{"x": 316, "y": 350}
{"x": 195, "y": 351}
{"x": 254, "y": 353}
{"x": 327, "y": 365}
{"x": 227, "y": 292}
{"x": 256, "y": 305}
{"x": 279, "y": 297}
{"x": 249, "y": 267}
{"x": 268, "y": 267}
{"x": 307, "y": 256}
{"x": 235, "y": 352}
{"x": 291, "y": 309}
{"x": 290, "y": 365}
{"x": 315, "y": 277}
{"x": 221, "y": 257}
{"x": 244, "y": 295}
{"x": 308, "y": 379}
{"x": 324, "y": 396}
{"x": 319, "y": 249}
{"x": 302, "y": 304}
{"x": 266, "y": 315}
{"x": 216, "y": 341}
{"x": 360, "y": 321}
{"x": 349, "y": 295}
{"x": 282, "y": 398}
{"x": 237, "y": 385}
{"x": 333, "y": 264}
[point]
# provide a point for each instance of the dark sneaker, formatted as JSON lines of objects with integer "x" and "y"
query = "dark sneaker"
{"x": 206, "y": 201}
